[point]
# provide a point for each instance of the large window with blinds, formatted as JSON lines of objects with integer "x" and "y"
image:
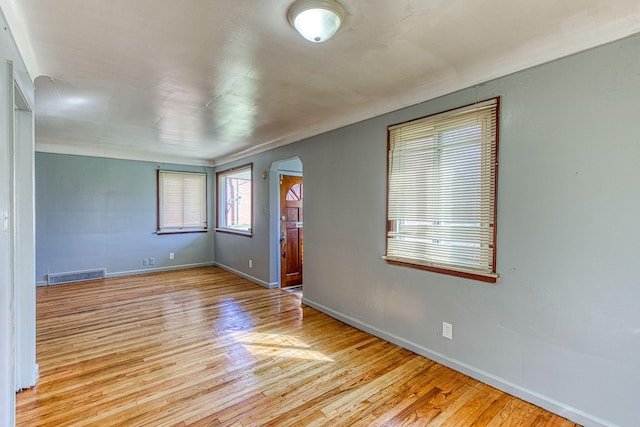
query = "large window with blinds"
{"x": 442, "y": 192}
{"x": 182, "y": 202}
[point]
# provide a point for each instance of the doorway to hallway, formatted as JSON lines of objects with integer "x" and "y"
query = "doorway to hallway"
{"x": 286, "y": 230}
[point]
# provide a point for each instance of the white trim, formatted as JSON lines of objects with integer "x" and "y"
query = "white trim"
{"x": 143, "y": 271}
{"x": 44, "y": 145}
{"x": 260, "y": 282}
{"x": 255, "y": 280}
{"x": 158, "y": 269}
{"x": 530, "y": 396}
{"x": 35, "y": 375}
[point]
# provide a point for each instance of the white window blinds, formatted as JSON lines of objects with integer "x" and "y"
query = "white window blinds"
{"x": 442, "y": 177}
{"x": 182, "y": 201}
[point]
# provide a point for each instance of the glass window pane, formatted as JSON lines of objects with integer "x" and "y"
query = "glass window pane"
{"x": 235, "y": 200}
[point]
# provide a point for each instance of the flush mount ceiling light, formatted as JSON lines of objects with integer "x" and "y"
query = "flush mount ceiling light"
{"x": 316, "y": 20}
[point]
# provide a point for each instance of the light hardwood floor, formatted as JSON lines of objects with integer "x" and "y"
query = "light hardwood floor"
{"x": 203, "y": 347}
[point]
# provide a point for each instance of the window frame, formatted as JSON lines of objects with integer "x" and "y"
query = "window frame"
{"x": 423, "y": 263}
{"x": 220, "y": 201}
{"x": 160, "y": 229}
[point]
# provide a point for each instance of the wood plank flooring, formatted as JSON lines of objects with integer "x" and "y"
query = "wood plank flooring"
{"x": 203, "y": 347}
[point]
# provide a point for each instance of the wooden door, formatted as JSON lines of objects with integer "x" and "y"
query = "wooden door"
{"x": 291, "y": 246}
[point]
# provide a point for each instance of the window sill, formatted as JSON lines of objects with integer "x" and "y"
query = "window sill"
{"x": 466, "y": 274}
{"x": 237, "y": 232}
{"x": 181, "y": 231}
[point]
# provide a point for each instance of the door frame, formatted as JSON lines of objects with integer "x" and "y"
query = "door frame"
{"x": 286, "y": 167}
{"x": 26, "y": 367}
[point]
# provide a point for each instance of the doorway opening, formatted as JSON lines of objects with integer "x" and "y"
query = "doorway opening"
{"x": 287, "y": 224}
{"x": 291, "y": 230}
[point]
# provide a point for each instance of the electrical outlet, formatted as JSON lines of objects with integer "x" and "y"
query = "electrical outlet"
{"x": 172, "y": 255}
{"x": 145, "y": 262}
{"x": 250, "y": 263}
{"x": 447, "y": 330}
{"x": 152, "y": 261}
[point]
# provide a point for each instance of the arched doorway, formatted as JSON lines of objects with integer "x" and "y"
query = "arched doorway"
{"x": 291, "y": 230}
{"x": 286, "y": 224}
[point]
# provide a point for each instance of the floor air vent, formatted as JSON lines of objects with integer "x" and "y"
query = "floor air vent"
{"x": 75, "y": 276}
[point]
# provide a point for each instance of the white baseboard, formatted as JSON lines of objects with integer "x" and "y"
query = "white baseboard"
{"x": 145, "y": 271}
{"x": 158, "y": 269}
{"x": 247, "y": 276}
{"x": 36, "y": 373}
{"x": 533, "y": 397}
{"x": 31, "y": 382}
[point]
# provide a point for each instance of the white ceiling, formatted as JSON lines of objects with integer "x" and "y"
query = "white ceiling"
{"x": 208, "y": 81}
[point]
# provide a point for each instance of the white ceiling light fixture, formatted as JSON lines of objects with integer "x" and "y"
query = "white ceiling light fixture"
{"x": 316, "y": 20}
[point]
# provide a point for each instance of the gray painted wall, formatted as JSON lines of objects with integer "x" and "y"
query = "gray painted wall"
{"x": 263, "y": 247}
{"x": 239, "y": 249}
{"x": 101, "y": 213}
{"x": 561, "y": 328}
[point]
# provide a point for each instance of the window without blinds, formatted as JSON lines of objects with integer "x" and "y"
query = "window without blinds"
{"x": 441, "y": 198}
{"x": 234, "y": 200}
{"x": 182, "y": 202}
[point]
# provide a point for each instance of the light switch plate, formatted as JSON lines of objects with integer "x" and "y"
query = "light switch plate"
{"x": 447, "y": 330}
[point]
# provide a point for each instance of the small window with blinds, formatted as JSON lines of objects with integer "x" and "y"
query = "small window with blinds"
{"x": 441, "y": 192}
{"x": 182, "y": 202}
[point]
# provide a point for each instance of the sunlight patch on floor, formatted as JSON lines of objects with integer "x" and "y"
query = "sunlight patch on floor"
{"x": 260, "y": 344}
